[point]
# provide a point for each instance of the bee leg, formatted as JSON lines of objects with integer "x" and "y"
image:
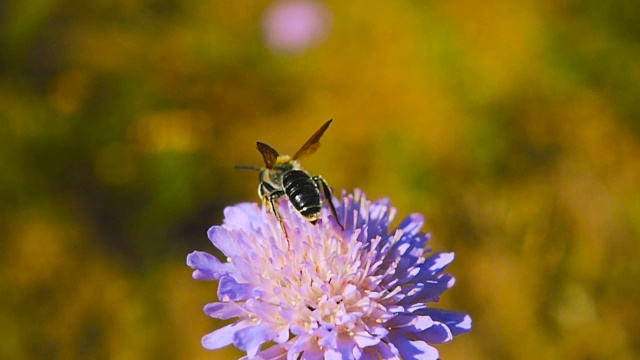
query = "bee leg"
{"x": 271, "y": 199}
{"x": 327, "y": 194}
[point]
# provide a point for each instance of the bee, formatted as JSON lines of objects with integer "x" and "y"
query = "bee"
{"x": 282, "y": 176}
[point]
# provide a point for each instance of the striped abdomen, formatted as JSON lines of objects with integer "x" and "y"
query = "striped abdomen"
{"x": 303, "y": 193}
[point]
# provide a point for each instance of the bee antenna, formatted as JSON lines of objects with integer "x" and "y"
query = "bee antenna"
{"x": 248, "y": 167}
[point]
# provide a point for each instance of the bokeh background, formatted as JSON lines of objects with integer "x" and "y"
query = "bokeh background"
{"x": 514, "y": 126}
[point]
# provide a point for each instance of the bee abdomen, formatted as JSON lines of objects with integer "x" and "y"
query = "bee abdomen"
{"x": 303, "y": 193}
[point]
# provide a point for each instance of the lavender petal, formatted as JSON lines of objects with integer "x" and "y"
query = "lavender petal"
{"x": 223, "y": 310}
{"x": 231, "y": 290}
{"x": 207, "y": 266}
{"x": 251, "y": 338}
{"x": 458, "y": 323}
{"x": 223, "y": 336}
{"x": 414, "y": 349}
{"x": 431, "y": 291}
{"x": 437, "y": 334}
{"x": 225, "y": 240}
{"x": 433, "y": 266}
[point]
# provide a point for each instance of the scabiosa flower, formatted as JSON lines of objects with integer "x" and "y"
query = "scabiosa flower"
{"x": 294, "y": 25}
{"x": 325, "y": 293}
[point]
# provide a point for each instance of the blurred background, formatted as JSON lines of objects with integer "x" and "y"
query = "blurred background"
{"x": 513, "y": 126}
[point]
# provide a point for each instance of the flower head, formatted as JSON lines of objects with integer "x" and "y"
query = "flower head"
{"x": 361, "y": 293}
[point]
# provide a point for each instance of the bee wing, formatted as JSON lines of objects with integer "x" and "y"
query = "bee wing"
{"x": 269, "y": 154}
{"x": 313, "y": 143}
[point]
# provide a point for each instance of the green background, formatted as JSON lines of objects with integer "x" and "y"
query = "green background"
{"x": 513, "y": 126}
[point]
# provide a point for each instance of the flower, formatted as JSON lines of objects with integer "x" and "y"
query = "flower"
{"x": 325, "y": 293}
{"x": 294, "y": 25}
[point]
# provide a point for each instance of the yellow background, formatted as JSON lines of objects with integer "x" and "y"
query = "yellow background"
{"x": 513, "y": 126}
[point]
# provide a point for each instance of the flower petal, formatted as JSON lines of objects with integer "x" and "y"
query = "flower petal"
{"x": 380, "y": 215}
{"x": 242, "y": 216}
{"x": 303, "y": 344}
{"x": 411, "y": 225}
{"x": 458, "y": 323}
{"x": 251, "y": 338}
{"x": 419, "y": 350}
{"x": 226, "y": 241}
{"x": 407, "y": 264}
{"x": 431, "y": 291}
{"x": 381, "y": 351}
{"x": 223, "y": 336}
{"x": 433, "y": 265}
{"x": 223, "y": 310}
{"x": 414, "y": 349}
{"x": 438, "y": 333}
{"x": 363, "y": 339}
{"x": 207, "y": 266}
{"x": 231, "y": 290}
{"x": 276, "y": 352}
{"x": 345, "y": 349}
{"x": 411, "y": 323}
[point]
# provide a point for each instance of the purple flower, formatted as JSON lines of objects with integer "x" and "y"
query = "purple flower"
{"x": 294, "y": 25}
{"x": 361, "y": 293}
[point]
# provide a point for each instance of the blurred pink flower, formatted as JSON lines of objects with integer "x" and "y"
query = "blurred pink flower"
{"x": 294, "y": 25}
